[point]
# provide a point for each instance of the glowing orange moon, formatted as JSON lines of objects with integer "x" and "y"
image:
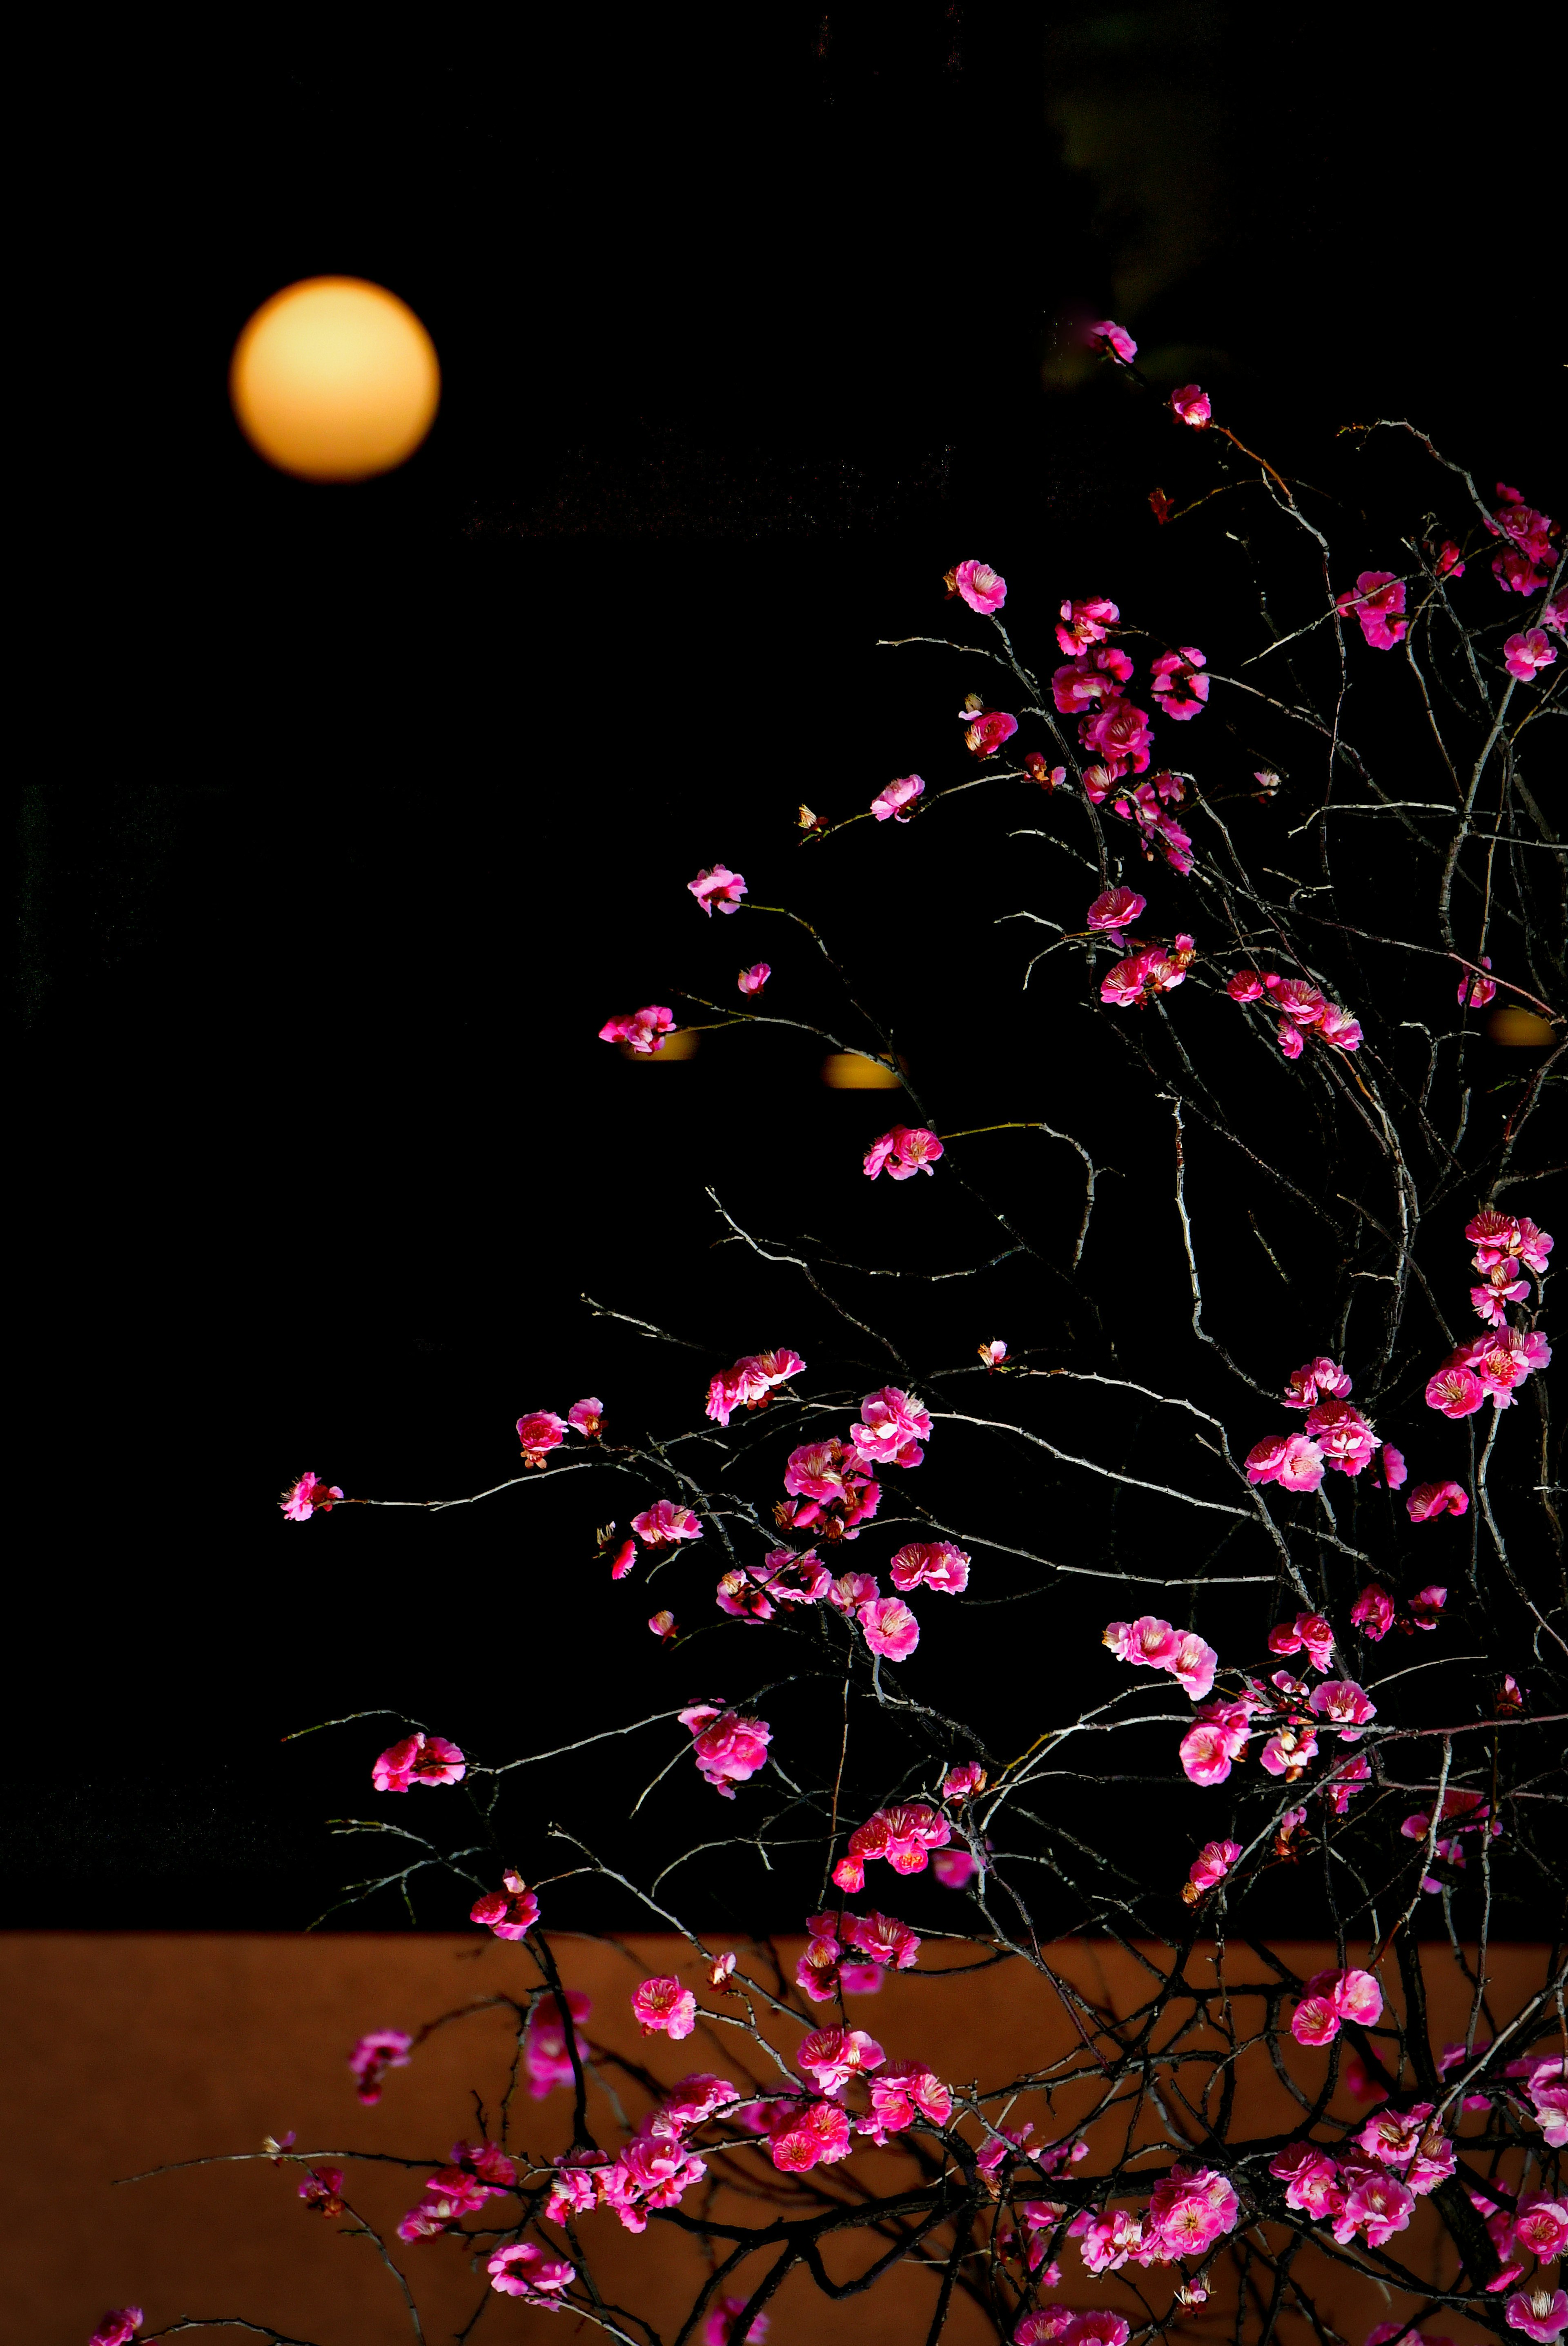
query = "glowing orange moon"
{"x": 335, "y": 379}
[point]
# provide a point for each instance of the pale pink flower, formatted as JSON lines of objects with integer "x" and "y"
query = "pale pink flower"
{"x": 1309, "y": 2177}
{"x": 904, "y": 1152}
{"x": 1086, "y": 623}
{"x": 643, "y": 1031}
{"x": 418, "y": 1760}
{"x": 1114, "y": 341}
{"x": 664, "y": 1523}
{"x": 1179, "y": 689}
{"x": 1429, "y": 1499}
{"x": 664, "y": 2006}
{"x": 896, "y": 802}
{"x": 1541, "y": 2225}
{"x": 1310, "y": 1631}
{"x": 1115, "y": 908}
{"x": 981, "y": 586}
{"x": 990, "y": 727}
{"x": 851, "y": 1590}
{"x": 118, "y": 2328}
{"x": 1190, "y": 405}
{"x": 728, "y": 1748}
{"x": 891, "y": 1627}
{"x": 1376, "y": 2207}
{"x": 799, "y": 2139}
{"x": 538, "y": 1433}
{"x": 904, "y": 2090}
{"x": 1393, "y": 2137}
{"x": 1390, "y": 1468}
{"x": 892, "y": 1425}
{"x": 1541, "y": 2313}
{"x": 1338, "y": 1027}
{"x": 525, "y": 2270}
{"x": 994, "y": 1354}
{"x": 719, "y": 887}
{"x": 935, "y": 1564}
{"x": 1249, "y": 986}
{"x": 1522, "y": 654}
{"x": 881, "y": 1939}
{"x": 1374, "y": 1612}
{"x": 1474, "y": 990}
{"x": 1550, "y": 2104}
{"x": 954, "y": 1868}
{"x": 547, "y": 2040}
{"x": 1193, "y": 1666}
{"x": 753, "y": 980}
{"x": 587, "y": 1417}
{"x": 1119, "y": 734}
{"x": 831, "y": 2057}
{"x": 1212, "y": 1864}
{"x": 718, "y": 2324}
{"x": 306, "y": 1496}
{"x": 1148, "y": 1642}
{"x": 1220, "y": 1737}
{"x": 961, "y": 1784}
{"x": 1291, "y": 1460}
{"x": 373, "y": 2056}
{"x": 1378, "y": 602}
{"x": 509, "y": 1912}
{"x": 1456, "y": 1393}
{"x": 1342, "y": 1703}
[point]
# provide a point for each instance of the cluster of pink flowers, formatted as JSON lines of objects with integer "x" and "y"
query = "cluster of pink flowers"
{"x": 831, "y": 1487}
{"x": 728, "y": 1748}
{"x": 373, "y": 2056}
{"x": 1151, "y": 1644}
{"x": 643, "y": 1031}
{"x": 983, "y": 589}
{"x": 1371, "y": 2190}
{"x": 418, "y": 1760}
{"x": 1506, "y": 1246}
{"x": 1179, "y": 689}
{"x": 1333, "y": 1997}
{"x": 527, "y": 2271}
{"x": 478, "y": 2171}
{"x": 308, "y": 1495}
{"x": 1378, "y": 602}
{"x": 1058, "y": 2325}
{"x": 1188, "y": 2210}
{"x": 904, "y": 1835}
{"x": 1524, "y": 565}
{"x": 1091, "y": 687}
{"x": 748, "y": 1384}
{"x": 893, "y": 1426}
{"x": 1546, "y": 2089}
{"x": 1494, "y": 1366}
{"x": 720, "y": 888}
{"x": 662, "y": 2005}
{"x": 1336, "y": 1434}
{"x": 903, "y": 1152}
{"x": 1302, "y": 1009}
{"x": 510, "y": 1913}
{"x": 1157, "y": 969}
{"x": 895, "y": 801}
{"x": 547, "y": 2039}
{"x": 1374, "y": 1612}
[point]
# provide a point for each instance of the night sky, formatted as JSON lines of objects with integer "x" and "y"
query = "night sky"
{"x": 360, "y": 808}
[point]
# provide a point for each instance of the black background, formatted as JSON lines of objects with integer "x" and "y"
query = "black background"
{"x": 357, "y": 811}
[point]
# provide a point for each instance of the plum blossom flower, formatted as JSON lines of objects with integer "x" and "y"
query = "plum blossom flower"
{"x": 1189, "y": 2208}
{"x": 1541, "y": 2225}
{"x": 118, "y": 2328}
{"x": 891, "y": 1629}
{"x": 652, "y": 2171}
{"x": 1144, "y": 976}
{"x": 1086, "y": 623}
{"x": 752, "y": 981}
{"x": 1190, "y": 405}
{"x": 625, "y": 1556}
{"x": 988, "y": 728}
{"x": 525, "y": 2270}
{"x": 1106, "y": 2242}
{"x": 1429, "y": 1499}
{"x": 1331, "y": 1998}
{"x": 1151, "y": 1644}
{"x": 1291, "y": 1460}
{"x": 1114, "y": 341}
{"x": 373, "y": 2056}
{"x": 1374, "y": 1612}
{"x": 306, "y": 1496}
{"x": 418, "y": 1760}
{"x": 1049, "y": 777}
{"x": 664, "y": 2006}
{"x": 509, "y": 1912}
{"x": 983, "y": 589}
{"x": 1393, "y": 2137}
{"x": 1474, "y": 992}
{"x": 642, "y": 1031}
{"x": 728, "y": 1748}
{"x": 1310, "y": 1631}
{"x": 1522, "y": 654}
{"x": 449, "y": 2196}
{"x": 1342, "y": 1703}
{"x": 1212, "y": 1864}
{"x": 1310, "y": 2179}
{"x": 1456, "y": 1392}
{"x": 720, "y": 887}
{"x": 1378, "y": 602}
{"x": 961, "y": 1784}
{"x": 664, "y": 1523}
{"x": 1119, "y": 733}
{"x": 1342, "y": 1434}
{"x": 750, "y": 1382}
{"x": 719, "y": 2325}
{"x": 1530, "y": 535}
{"x": 881, "y": 1939}
{"x": 1389, "y": 1468}
{"x": 851, "y": 1590}
{"x": 904, "y": 2091}
{"x": 488, "y": 2162}
{"x": 1051, "y": 2323}
{"x": 893, "y": 1426}
{"x": 895, "y": 802}
{"x": 904, "y": 1152}
{"x": 1220, "y": 1737}
{"x": 1342, "y": 1783}
{"x": 1376, "y": 2207}
{"x": 903, "y": 1835}
{"x": 955, "y": 1869}
{"x": 831, "y": 2057}
{"x": 1179, "y": 687}
{"x": 1092, "y": 678}
{"x": 1249, "y": 986}
{"x": 322, "y": 2190}
{"x": 538, "y": 1433}
{"x": 1446, "y": 563}
{"x": 587, "y": 1417}
{"x": 800, "y": 2138}
{"x": 933, "y": 1563}
{"x": 1541, "y": 2313}
{"x": 1115, "y": 908}
{"x": 547, "y": 2040}
{"x": 992, "y": 1355}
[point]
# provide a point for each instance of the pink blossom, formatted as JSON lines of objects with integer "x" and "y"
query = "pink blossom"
{"x": 1291, "y": 1460}
{"x": 1340, "y": 1702}
{"x": 1553, "y": 616}
{"x": 904, "y": 1152}
{"x": 1338, "y": 1027}
{"x": 1522, "y": 654}
{"x": 817, "y": 1972}
{"x": 728, "y": 1750}
{"x": 1086, "y": 623}
{"x": 1502, "y": 1238}
{"x": 1541, "y": 2225}
{"x": 1191, "y": 406}
{"x": 881, "y": 1939}
{"x": 793, "y": 1579}
{"x": 1332, "y": 1997}
{"x": 1434, "y": 2162}
{"x": 752, "y": 981}
{"x": 418, "y": 1760}
{"x": 1290, "y": 1043}
{"x": 1249, "y": 986}
{"x": 643, "y": 1031}
{"x": 1456, "y": 1393}
{"x": 118, "y": 2328}
{"x": 1530, "y": 533}
{"x": 1299, "y": 1002}
{"x": 1390, "y": 1468}
{"x": 1541, "y": 2313}
{"x": 587, "y": 1417}
{"x": 893, "y": 1426}
{"x": 1189, "y": 2208}
{"x": 652, "y": 2171}
{"x": 1376, "y": 2207}
{"x": 851, "y": 1590}
{"x": 525, "y": 2270}
{"x": 1148, "y": 1642}
{"x": 509, "y": 1912}
{"x": 1107, "y": 2241}
{"x": 664, "y": 2006}
{"x": 936, "y": 1564}
{"x": 834, "y": 2055}
{"x": 538, "y": 1433}
{"x": 1514, "y": 572}
{"x": 981, "y": 586}
{"x": 1474, "y": 991}
{"x": 1193, "y": 1666}
{"x": 1180, "y": 690}
{"x": 1315, "y": 2021}
{"x": 1116, "y": 908}
{"x": 1053, "y": 2322}
{"x": 1139, "y": 979}
{"x": 1220, "y": 1737}
{"x": 988, "y": 729}
{"x": 719, "y": 887}
{"x": 1108, "y": 337}
{"x": 1309, "y": 1630}
{"x": 1092, "y": 679}
{"x": 954, "y": 1868}
{"x": 449, "y": 2196}
{"x": 891, "y": 1627}
{"x": 1098, "y": 2330}
{"x": 1309, "y": 2177}
{"x": 1342, "y": 1783}
{"x": 903, "y": 1835}
{"x": 1550, "y": 2104}
{"x": 1212, "y": 1864}
{"x": 1429, "y": 1499}
{"x": 1341, "y": 1434}
{"x": 373, "y": 2056}
{"x": 1050, "y": 778}
{"x": 1307, "y": 1386}
{"x": 719, "y": 2325}
{"x": 323, "y": 2191}
{"x": 904, "y": 2089}
{"x": 750, "y": 1382}
{"x": 1288, "y": 1751}
{"x": 664, "y": 1523}
{"x": 896, "y": 802}
{"x": 1446, "y": 563}
{"x": 801, "y": 2138}
{"x": 1120, "y": 734}
{"x": 1378, "y": 602}
{"x": 1374, "y": 1612}
{"x": 625, "y": 1556}
{"x": 306, "y": 1496}
{"x": 547, "y": 2038}
{"x": 1393, "y": 2137}
{"x": 488, "y": 2161}
{"x": 961, "y": 1784}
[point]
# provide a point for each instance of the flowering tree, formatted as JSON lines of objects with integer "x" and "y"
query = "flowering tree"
{"x": 1353, "y": 1562}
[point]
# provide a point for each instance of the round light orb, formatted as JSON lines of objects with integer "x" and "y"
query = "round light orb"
{"x": 335, "y": 379}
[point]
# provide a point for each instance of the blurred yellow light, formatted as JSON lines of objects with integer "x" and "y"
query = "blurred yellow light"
{"x": 851, "y": 1071}
{"x": 335, "y": 379}
{"x": 684, "y": 1043}
{"x": 1514, "y": 1025}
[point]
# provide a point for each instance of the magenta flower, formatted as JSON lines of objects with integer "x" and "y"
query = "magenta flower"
{"x": 1342, "y": 1783}
{"x": 1522, "y": 654}
{"x": 1108, "y": 337}
{"x": 1178, "y": 688}
{"x": 373, "y": 2056}
{"x": 1500, "y": 1239}
{"x": 981, "y": 586}
{"x": 1190, "y": 405}
{"x": 1378, "y": 602}
{"x": 739, "y": 1595}
{"x": 1556, "y": 614}
{"x": 954, "y": 1868}
{"x": 1219, "y": 1737}
{"x": 903, "y": 1835}
{"x": 1091, "y": 678}
{"x": 1446, "y": 563}
{"x": 1310, "y": 2179}
{"x": 893, "y": 1426}
{"x": 664, "y": 1523}
{"x": 1115, "y": 908}
{"x": 1390, "y": 1469}
{"x": 642, "y": 1031}
{"x": 1083, "y": 624}
{"x": 990, "y": 727}
{"x": 523, "y": 2271}
{"x": 418, "y": 1760}
{"x": 1050, "y": 778}
{"x": 118, "y": 2328}
{"x": 1291, "y": 1460}
{"x": 664, "y": 2006}
{"x": 1188, "y": 2210}
{"x": 1342, "y": 1434}
{"x": 1530, "y": 535}
{"x": 1376, "y": 2206}
{"x": 750, "y": 1382}
{"x": 1393, "y": 2137}
{"x": 719, "y": 2322}
{"x": 1148, "y": 1642}
{"x": 1342, "y": 1703}
{"x": 1541, "y": 2225}
{"x": 904, "y": 1152}
{"x": 752, "y": 981}
{"x": 1139, "y": 979}
{"x": 834, "y": 2055}
{"x": 509, "y": 1912}
{"x": 1332, "y": 1998}
{"x": 1429, "y": 1499}
{"x": 720, "y": 887}
{"x": 308, "y": 1495}
{"x": 322, "y": 2190}
{"x": 881, "y": 1939}
{"x": 1248, "y": 986}
{"x": 1541, "y": 2313}
{"x": 964, "y": 1782}
{"x": 905, "y": 2090}
{"x": 546, "y": 2049}
{"x": 1310, "y": 1631}
{"x": 728, "y": 1750}
{"x": 935, "y": 1564}
{"x": 538, "y": 1433}
{"x": 803, "y": 2138}
{"x": 1120, "y": 734}
{"x": 891, "y": 1629}
{"x": 896, "y": 802}
{"x": 1456, "y": 1392}
{"x": 1212, "y": 1864}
